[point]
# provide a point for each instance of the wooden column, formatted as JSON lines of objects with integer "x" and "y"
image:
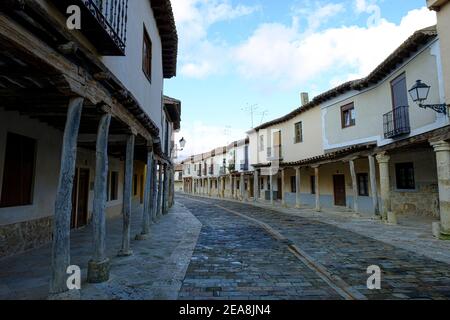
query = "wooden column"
{"x": 271, "y": 186}
{"x": 373, "y": 185}
{"x": 354, "y": 185}
{"x": 160, "y": 191}
{"x": 283, "y": 197}
{"x": 147, "y": 212}
{"x": 242, "y": 186}
{"x": 154, "y": 194}
{"x": 63, "y": 202}
{"x": 166, "y": 190}
{"x": 127, "y": 195}
{"x": 316, "y": 173}
{"x": 98, "y": 267}
{"x": 256, "y": 189}
{"x": 298, "y": 202}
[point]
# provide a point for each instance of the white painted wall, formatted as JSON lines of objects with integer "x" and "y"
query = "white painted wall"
{"x": 129, "y": 68}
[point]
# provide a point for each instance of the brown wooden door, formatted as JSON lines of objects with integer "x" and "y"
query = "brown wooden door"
{"x": 339, "y": 190}
{"x": 80, "y": 198}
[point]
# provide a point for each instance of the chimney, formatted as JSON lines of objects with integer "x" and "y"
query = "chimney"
{"x": 304, "y": 98}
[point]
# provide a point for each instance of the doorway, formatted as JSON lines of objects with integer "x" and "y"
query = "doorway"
{"x": 80, "y": 198}
{"x": 339, "y": 190}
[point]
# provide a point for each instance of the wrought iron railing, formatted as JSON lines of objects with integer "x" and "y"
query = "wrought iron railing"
{"x": 104, "y": 23}
{"x": 244, "y": 165}
{"x": 396, "y": 122}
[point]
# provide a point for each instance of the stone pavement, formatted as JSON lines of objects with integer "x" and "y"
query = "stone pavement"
{"x": 235, "y": 259}
{"x": 154, "y": 271}
{"x": 413, "y": 233}
{"x": 347, "y": 254}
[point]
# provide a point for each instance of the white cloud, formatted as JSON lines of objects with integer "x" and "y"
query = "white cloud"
{"x": 286, "y": 57}
{"x": 199, "y": 55}
{"x": 202, "y": 137}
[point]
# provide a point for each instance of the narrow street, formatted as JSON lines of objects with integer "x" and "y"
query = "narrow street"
{"x": 237, "y": 258}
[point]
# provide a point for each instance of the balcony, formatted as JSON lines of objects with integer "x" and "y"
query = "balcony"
{"x": 103, "y": 22}
{"x": 396, "y": 123}
{"x": 244, "y": 166}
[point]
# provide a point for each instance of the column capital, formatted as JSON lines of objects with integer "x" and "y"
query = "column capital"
{"x": 383, "y": 157}
{"x": 440, "y": 146}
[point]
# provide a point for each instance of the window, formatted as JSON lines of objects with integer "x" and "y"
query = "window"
{"x": 404, "y": 173}
{"x": 261, "y": 143}
{"x": 363, "y": 184}
{"x": 293, "y": 184}
{"x": 313, "y": 184}
{"x": 147, "y": 56}
{"x": 18, "y": 171}
{"x": 298, "y": 132}
{"x": 348, "y": 115}
{"x": 399, "y": 92}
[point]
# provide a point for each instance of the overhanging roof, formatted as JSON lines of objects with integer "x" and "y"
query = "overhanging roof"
{"x": 165, "y": 21}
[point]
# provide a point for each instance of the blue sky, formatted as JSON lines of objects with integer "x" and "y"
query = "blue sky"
{"x": 234, "y": 54}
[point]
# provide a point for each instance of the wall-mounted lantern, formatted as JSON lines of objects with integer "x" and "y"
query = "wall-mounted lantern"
{"x": 419, "y": 94}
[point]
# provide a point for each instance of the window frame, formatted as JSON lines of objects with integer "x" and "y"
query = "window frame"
{"x": 398, "y": 180}
{"x": 299, "y": 138}
{"x": 147, "y": 49}
{"x": 347, "y": 108}
{"x": 365, "y": 177}
{"x": 30, "y": 197}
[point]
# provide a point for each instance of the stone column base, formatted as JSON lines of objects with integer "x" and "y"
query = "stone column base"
{"x": 123, "y": 253}
{"x": 392, "y": 218}
{"x": 98, "y": 272}
{"x": 141, "y": 237}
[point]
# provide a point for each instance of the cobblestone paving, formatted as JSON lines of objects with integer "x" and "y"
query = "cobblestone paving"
{"x": 405, "y": 274}
{"x": 236, "y": 260}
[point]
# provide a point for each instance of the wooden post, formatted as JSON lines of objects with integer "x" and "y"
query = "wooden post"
{"x": 298, "y": 202}
{"x": 283, "y": 198}
{"x": 271, "y": 186}
{"x": 160, "y": 191}
{"x": 98, "y": 267}
{"x": 256, "y": 186}
{"x": 155, "y": 191}
{"x": 316, "y": 172}
{"x": 147, "y": 212}
{"x": 354, "y": 185}
{"x": 165, "y": 200}
{"x": 63, "y": 202}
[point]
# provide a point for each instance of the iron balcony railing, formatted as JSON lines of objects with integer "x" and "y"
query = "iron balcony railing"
{"x": 103, "y": 22}
{"x": 244, "y": 166}
{"x": 396, "y": 122}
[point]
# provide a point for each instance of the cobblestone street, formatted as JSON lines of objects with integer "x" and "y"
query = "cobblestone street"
{"x": 238, "y": 258}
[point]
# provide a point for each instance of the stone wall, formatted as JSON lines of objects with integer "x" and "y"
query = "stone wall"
{"x": 23, "y": 236}
{"x": 424, "y": 201}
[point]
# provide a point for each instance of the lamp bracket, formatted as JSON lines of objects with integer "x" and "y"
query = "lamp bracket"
{"x": 439, "y": 108}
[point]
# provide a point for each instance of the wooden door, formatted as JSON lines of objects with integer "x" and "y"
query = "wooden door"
{"x": 339, "y": 190}
{"x": 80, "y": 198}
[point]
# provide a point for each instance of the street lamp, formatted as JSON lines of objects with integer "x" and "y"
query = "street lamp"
{"x": 182, "y": 143}
{"x": 419, "y": 93}
{"x": 176, "y": 149}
